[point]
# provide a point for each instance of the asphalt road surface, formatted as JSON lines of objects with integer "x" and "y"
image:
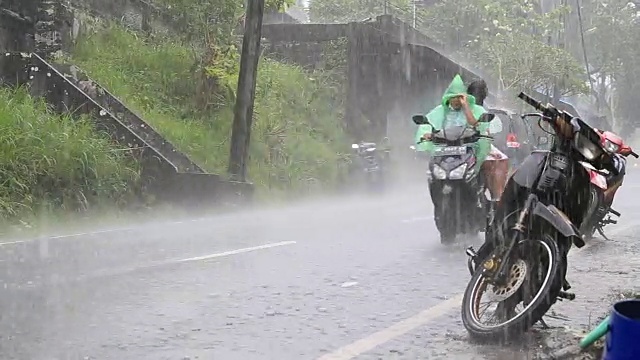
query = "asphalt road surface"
{"x": 348, "y": 278}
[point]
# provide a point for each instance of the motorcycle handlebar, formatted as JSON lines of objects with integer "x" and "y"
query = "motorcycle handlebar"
{"x": 531, "y": 101}
{"x": 549, "y": 113}
{"x": 634, "y": 154}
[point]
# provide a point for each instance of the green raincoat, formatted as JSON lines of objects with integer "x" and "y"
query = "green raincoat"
{"x": 438, "y": 115}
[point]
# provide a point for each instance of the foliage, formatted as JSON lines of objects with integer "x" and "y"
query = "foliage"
{"x": 213, "y": 18}
{"x": 611, "y": 32}
{"x": 509, "y": 38}
{"x": 296, "y": 134}
{"x": 344, "y": 11}
{"x": 51, "y": 162}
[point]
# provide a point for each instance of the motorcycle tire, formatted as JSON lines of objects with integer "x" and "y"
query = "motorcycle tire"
{"x": 592, "y": 216}
{"x": 545, "y": 297}
{"x": 447, "y": 225}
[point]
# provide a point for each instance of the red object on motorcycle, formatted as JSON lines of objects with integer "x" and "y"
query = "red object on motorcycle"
{"x": 597, "y": 179}
{"x": 622, "y": 148}
{"x": 512, "y": 141}
{"x": 595, "y": 176}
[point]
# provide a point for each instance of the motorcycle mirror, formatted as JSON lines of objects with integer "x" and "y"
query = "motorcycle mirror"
{"x": 420, "y": 120}
{"x": 354, "y": 146}
{"x": 486, "y": 117}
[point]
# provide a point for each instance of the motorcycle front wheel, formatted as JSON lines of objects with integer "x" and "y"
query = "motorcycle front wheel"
{"x": 533, "y": 282}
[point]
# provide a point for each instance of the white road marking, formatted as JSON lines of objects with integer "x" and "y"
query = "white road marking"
{"x": 126, "y": 270}
{"x": 234, "y": 252}
{"x": 368, "y": 343}
{"x": 12, "y": 242}
{"x": 98, "y": 232}
{"x": 372, "y": 341}
{"x": 417, "y": 219}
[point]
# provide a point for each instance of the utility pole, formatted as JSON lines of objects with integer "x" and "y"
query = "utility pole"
{"x": 243, "y": 111}
{"x": 414, "y": 13}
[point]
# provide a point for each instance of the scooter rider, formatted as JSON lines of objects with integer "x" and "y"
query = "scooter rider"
{"x": 459, "y": 107}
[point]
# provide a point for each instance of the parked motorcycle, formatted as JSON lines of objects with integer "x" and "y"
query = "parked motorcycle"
{"x": 599, "y": 212}
{"x": 457, "y": 191}
{"x": 524, "y": 258}
{"x": 370, "y": 162}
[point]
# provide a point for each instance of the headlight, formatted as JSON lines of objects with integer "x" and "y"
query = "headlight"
{"x": 586, "y": 147}
{"x": 611, "y": 147}
{"x": 458, "y": 173}
{"x": 439, "y": 172}
{"x": 354, "y": 146}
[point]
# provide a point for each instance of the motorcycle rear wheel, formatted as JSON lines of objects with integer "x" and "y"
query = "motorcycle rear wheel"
{"x": 536, "y": 302}
{"x": 590, "y": 225}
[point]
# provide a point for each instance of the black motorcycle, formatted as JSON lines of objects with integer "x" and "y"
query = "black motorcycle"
{"x": 457, "y": 191}
{"x": 524, "y": 258}
{"x": 370, "y": 163}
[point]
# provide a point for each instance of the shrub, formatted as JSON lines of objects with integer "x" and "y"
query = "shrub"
{"x": 49, "y": 162}
{"x": 297, "y": 137}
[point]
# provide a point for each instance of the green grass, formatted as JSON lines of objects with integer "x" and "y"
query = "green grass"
{"x": 297, "y": 143}
{"x": 51, "y": 163}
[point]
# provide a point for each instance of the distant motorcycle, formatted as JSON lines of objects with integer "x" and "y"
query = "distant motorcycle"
{"x": 370, "y": 162}
{"x": 599, "y": 214}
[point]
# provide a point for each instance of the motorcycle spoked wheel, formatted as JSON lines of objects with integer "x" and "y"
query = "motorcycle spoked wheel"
{"x": 534, "y": 281}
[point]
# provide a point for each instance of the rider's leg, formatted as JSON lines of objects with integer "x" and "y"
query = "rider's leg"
{"x": 610, "y": 193}
{"x": 496, "y": 168}
{"x": 615, "y": 181}
{"x": 500, "y": 174}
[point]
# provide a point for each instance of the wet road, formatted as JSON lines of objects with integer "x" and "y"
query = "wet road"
{"x": 343, "y": 279}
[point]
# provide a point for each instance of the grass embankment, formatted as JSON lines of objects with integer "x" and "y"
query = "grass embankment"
{"x": 296, "y": 141}
{"x": 52, "y": 163}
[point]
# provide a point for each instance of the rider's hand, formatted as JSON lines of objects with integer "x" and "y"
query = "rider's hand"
{"x": 463, "y": 100}
{"x": 564, "y": 128}
{"x": 425, "y": 137}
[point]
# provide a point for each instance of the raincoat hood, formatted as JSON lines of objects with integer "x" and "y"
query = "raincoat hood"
{"x": 457, "y": 88}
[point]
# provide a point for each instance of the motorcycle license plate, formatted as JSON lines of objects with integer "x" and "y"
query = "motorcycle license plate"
{"x": 450, "y": 151}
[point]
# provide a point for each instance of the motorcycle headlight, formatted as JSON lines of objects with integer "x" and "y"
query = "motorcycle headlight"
{"x": 458, "y": 173}
{"x": 354, "y": 146}
{"x": 586, "y": 147}
{"x": 611, "y": 147}
{"x": 438, "y": 172}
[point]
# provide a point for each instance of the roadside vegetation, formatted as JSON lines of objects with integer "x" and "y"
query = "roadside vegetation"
{"x": 297, "y": 142}
{"x": 52, "y": 163}
{"x": 56, "y": 168}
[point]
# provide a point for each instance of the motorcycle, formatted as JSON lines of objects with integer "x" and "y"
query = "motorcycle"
{"x": 453, "y": 180}
{"x": 599, "y": 214}
{"x": 524, "y": 256}
{"x": 370, "y": 163}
